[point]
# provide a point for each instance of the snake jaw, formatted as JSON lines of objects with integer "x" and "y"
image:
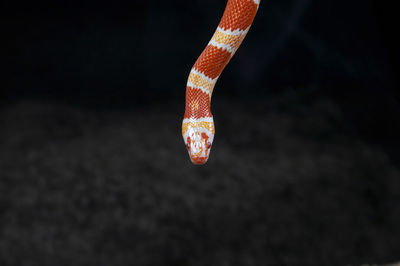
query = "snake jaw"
{"x": 198, "y": 142}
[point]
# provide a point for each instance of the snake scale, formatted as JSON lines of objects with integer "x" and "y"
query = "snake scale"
{"x": 198, "y": 128}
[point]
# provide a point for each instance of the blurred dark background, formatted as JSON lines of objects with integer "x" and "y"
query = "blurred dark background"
{"x": 305, "y": 164}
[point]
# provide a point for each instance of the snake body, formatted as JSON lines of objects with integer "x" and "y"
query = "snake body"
{"x": 198, "y": 128}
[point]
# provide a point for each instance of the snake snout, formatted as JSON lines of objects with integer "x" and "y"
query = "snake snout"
{"x": 199, "y": 160}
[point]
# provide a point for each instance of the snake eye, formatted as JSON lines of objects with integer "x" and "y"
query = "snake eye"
{"x": 187, "y": 143}
{"x": 208, "y": 145}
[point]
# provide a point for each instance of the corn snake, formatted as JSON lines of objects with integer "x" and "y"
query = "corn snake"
{"x": 198, "y": 128}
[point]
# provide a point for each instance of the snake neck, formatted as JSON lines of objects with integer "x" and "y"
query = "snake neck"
{"x": 198, "y": 126}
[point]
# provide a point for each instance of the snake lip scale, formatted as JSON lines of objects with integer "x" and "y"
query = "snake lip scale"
{"x": 198, "y": 128}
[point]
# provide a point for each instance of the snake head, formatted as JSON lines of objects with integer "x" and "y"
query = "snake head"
{"x": 198, "y": 138}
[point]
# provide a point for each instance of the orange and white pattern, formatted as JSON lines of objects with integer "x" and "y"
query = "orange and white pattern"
{"x": 198, "y": 125}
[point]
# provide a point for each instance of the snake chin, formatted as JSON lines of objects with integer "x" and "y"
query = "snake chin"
{"x": 198, "y": 142}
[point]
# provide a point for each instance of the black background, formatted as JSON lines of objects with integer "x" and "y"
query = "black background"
{"x": 305, "y": 166}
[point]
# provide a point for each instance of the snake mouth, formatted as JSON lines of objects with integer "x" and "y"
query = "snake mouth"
{"x": 199, "y": 160}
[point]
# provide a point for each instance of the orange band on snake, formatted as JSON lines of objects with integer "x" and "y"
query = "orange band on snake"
{"x": 198, "y": 125}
